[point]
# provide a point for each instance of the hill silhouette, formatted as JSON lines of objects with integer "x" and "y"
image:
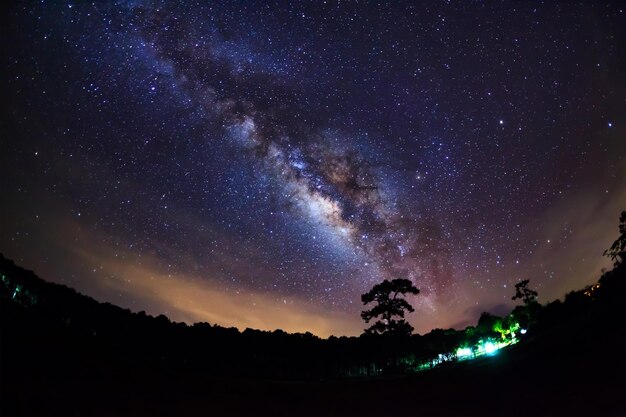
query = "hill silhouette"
{"x": 64, "y": 353}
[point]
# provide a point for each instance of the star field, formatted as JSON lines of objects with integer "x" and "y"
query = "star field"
{"x": 263, "y": 164}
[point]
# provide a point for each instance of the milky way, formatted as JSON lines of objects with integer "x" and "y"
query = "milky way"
{"x": 262, "y": 164}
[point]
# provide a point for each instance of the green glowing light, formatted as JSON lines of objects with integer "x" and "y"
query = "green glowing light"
{"x": 490, "y": 348}
{"x": 463, "y": 352}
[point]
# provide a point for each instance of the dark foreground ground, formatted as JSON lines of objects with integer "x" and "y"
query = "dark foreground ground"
{"x": 585, "y": 376}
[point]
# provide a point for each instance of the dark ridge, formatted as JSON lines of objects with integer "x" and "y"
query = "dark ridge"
{"x": 64, "y": 353}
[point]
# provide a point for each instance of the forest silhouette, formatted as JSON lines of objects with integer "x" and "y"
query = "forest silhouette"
{"x": 63, "y": 353}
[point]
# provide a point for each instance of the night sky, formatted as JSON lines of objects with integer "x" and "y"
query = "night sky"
{"x": 260, "y": 164}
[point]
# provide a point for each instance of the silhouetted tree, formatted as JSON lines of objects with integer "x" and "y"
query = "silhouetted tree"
{"x": 524, "y": 293}
{"x": 526, "y": 314}
{"x": 612, "y": 284}
{"x": 487, "y": 323}
{"x": 617, "y": 251}
{"x": 389, "y": 305}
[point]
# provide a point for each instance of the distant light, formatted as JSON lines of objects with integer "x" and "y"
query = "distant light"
{"x": 463, "y": 352}
{"x": 523, "y": 331}
{"x": 490, "y": 347}
{"x": 610, "y": 124}
{"x": 501, "y": 122}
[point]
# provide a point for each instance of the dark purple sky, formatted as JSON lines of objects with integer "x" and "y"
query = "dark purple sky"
{"x": 262, "y": 164}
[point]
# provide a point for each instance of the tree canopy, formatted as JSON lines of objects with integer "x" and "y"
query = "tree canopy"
{"x": 389, "y": 304}
{"x": 524, "y": 293}
{"x": 617, "y": 251}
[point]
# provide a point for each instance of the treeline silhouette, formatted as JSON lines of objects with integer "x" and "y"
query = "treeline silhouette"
{"x": 78, "y": 331}
{"x": 55, "y": 342}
